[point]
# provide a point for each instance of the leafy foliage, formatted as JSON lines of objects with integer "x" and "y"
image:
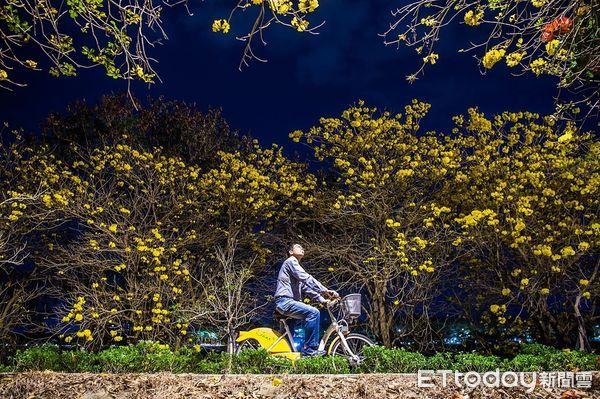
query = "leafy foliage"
{"x": 154, "y": 357}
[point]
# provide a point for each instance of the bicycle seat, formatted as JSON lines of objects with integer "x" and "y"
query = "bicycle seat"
{"x": 277, "y": 315}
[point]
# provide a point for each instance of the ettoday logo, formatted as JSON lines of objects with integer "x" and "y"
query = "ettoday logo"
{"x": 507, "y": 379}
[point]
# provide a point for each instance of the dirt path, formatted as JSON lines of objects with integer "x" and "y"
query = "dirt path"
{"x": 53, "y": 385}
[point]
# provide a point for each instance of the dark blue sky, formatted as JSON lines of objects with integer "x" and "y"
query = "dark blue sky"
{"x": 305, "y": 77}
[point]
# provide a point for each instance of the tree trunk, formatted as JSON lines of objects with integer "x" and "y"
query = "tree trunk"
{"x": 583, "y": 344}
{"x": 380, "y": 322}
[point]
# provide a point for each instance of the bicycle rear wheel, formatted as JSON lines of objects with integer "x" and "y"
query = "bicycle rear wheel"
{"x": 247, "y": 344}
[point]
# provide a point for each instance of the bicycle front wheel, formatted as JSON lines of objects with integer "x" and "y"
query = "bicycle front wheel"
{"x": 356, "y": 343}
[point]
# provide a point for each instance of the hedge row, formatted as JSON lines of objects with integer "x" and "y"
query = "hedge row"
{"x": 153, "y": 357}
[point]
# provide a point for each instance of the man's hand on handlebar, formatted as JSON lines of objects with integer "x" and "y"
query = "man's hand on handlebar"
{"x": 332, "y": 299}
{"x": 329, "y": 302}
{"x": 331, "y": 294}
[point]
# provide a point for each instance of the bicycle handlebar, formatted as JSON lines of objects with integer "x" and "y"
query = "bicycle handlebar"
{"x": 333, "y": 301}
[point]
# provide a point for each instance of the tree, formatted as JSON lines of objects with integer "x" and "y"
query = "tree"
{"x": 527, "y": 194}
{"x": 539, "y": 37}
{"x": 20, "y": 225}
{"x": 127, "y": 219}
{"x": 230, "y": 304}
{"x": 178, "y": 127}
{"x": 247, "y": 196}
{"x": 378, "y": 224}
{"x": 80, "y": 34}
{"x": 117, "y": 36}
{"x": 142, "y": 244}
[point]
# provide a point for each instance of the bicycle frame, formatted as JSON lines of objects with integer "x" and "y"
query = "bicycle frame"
{"x": 282, "y": 344}
{"x": 334, "y": 328}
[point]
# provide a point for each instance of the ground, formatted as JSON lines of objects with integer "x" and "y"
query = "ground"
{"x": 53, "y": 385}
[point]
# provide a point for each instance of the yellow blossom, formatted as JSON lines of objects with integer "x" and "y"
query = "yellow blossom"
{"x": 220, "y": 25}
{"x": 281, "y": 7}
{"x": 586, "y": 295}
{"x": 492, "y": 57}
{"x": 307, "y": 6}
{"x": 431, "y": 58}
{"x": 552, "y": 46}
{"x": 537, "y": 66}
{"x": 473, "y": 18}
{"x": 513, "y": 59}
{"x": 567, "y": 251}
{"x": 300, "y": 24}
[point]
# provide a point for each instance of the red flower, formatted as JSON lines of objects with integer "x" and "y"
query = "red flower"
{"x": 564, "y": 23}
{"x": 547, "y": 36}
{"x": 560, "y": 24}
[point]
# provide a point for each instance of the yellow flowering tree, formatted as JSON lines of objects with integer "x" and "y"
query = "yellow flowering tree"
{"x": 534, "y": 35}
{"x": 140, "y": 244}
{"x": 20, "y": 226}
{"x": 377, "y": 223}
{"x": 527, "y": 194}
{"x": 122, "y": 253}
{"x": 247, "y": 196}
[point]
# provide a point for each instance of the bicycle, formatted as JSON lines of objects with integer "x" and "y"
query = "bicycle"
{"x": 344, "y": 343}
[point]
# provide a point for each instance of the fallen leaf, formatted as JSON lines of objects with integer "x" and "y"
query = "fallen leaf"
{"x": 569, "y": 394}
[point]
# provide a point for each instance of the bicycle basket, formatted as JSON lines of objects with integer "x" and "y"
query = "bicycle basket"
{"x": 351, "y": 306}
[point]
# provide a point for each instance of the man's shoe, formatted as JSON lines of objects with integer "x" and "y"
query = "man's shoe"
{"x": 312, "y": 352}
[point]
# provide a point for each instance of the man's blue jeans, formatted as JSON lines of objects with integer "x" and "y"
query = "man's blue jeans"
{"x": 301, "y": 311}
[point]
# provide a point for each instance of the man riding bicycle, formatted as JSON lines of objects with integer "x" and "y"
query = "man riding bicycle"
{"x": 292, "y": 281}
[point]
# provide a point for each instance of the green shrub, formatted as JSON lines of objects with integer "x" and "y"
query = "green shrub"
{"x": 5, "y": 368}
{"x": 43, "y": 357}
{"x": 322, "y": 365}
{"x": 475, "y": 362}
{"x": 536, "y": 357}
{"x": 537, "y": 349}
{"x": 440, "y": 361}
{"x": 153, "y": 357}
{"x": 571, "y": 360}
{"x": 524, "y": 362}
{"x": 212, "y": 363}
{"x": 121, "y": 359}
{"x": 146, "y": 356}
{"x": 259, "y": 362}
{"x": 382, "y": 360}
{"x": 156, "y": 357}
{"x": 184, "y": 360}
{"x": 79, "y": 361}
